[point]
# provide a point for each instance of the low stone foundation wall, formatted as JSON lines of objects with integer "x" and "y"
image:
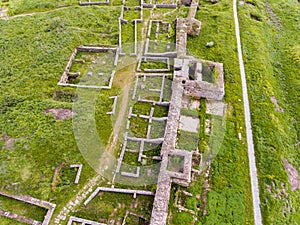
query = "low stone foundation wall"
{"x": 33, "y": 201}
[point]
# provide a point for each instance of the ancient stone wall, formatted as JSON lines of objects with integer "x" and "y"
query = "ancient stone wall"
{"x": 33, "y": 201}
{"x": 203, "y": 89}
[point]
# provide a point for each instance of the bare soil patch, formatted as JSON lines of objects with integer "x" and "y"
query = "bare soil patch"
{"x": 293, "y": 175}
{"x": 9, "y": 141}
{"x": 60, "y": 113}
{"x": 278, "y": 108}
{"x": 273, "y": 17}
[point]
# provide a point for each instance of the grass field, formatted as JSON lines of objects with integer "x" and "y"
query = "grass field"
{"x": 271, "y": 62}
{"x": 272, "y": 67}
{"x": 103, "y": 205}
{"x": 229, "y": 196}
{"x": 34, "y": 51}
{"x": 27, "y": 6}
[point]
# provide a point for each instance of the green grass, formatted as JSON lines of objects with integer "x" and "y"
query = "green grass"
{"x": 272, "y": 69}
{"x": 187, "y": 140}
{"x": 153, "y": 64}
{"x": 176, "y": 163}
{"x": 127, "y": 37}
{"x": 160, "y": 111}
{"x": 34, "y": 53}
{"x": 157, "y": 129}
{"x": 131, "y": 15}
{"x": 182, "y": 218}
{"x": 141, "y": 108}
{"x": 229, "y": 171}
{"x": 151, "y": 149}
{"x": 102, "y": 206}
{"x": 22, "y": 208}
{"x": 35, "y": 49}
{"x": 138, "y": 127}
{"x": 132, "y": 2}
{"x": 27, "y": 6}
{"x": 7, "y": 221}
{"x": 99, "y": 65}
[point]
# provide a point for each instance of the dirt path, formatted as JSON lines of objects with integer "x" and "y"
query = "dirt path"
{"x": 122, "y": 80}
{"x": 121, "y": 116}
{"x": 251, "y": 155}
{"x": 80, "y": 197}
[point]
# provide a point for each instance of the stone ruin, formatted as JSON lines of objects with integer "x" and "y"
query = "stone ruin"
{"x": 189, "y": 78}
{"x": 64, "y": 80}
{"x": 117, "y": 190}
{"x": 74, "y": 219}
{"x": 33, "y": 201}
{"x": 79, "y": 166}
{"x": 89, "y": 2}
{"x": 192, "y": 72}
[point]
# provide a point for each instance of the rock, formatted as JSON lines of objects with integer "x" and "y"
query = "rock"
{"x": 60, "y": 113}
{"x": 186, "y": 2}
{"x": 210, "y": 44}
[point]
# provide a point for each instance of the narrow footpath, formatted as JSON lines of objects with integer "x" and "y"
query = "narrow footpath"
{"x": 251, "y": 155}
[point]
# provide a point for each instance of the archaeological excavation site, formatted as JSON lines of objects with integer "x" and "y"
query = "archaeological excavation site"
{"x": 136, "y": 112}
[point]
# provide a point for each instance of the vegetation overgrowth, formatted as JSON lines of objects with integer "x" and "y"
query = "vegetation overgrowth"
{"x": 229, "y": 195}
{"x": 272, "y": 67}
{"x": 35, "y": 49}
{"x": 34, "y": 52}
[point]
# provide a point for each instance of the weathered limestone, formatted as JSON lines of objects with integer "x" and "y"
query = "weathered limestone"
{"x": 117, "y": 190}
{"x": 173, "y": 117}
{"x": 156, "y": 54}
{"x": 135, "y": 87}
{"x": 186, "y": 174}
{"x": 73, "y": 219}
{"x": 161, "y": 90}
{"x": 200, "y": 88}
{"x": 64, "y": 80}
{"x": 93, "y": 195}
{"x": 193, "y": 9}
{"x": 215, "y": 107}
{"x": 181, "y": 85}
{"x": 168, "y": 6}
{"x": 141, "y": 150}
{"x": 33, "y": 201}
{"x": 89, "y": 2}
{"x": 153, "y": 102}
{"x": 19, "y": 218}
{"x": 154, "y": 140}
{"x": 161, "y": 200}
{"x": 122, "y": 153}
{"x": 79, "y": 166}
{"x": 134, "y": 175}
{"x": 135, "y": 38}
{"x": 115, "y": 98}
{"x": 159, "y": 5}
{"x": 185, "y": 26}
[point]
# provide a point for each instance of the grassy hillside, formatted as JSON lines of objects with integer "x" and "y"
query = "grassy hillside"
{"x": 34, "y": 51}
{"x": 229, "y": 197}
{"x": 270, "y": 39}
{"x": 16, "y": 7}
